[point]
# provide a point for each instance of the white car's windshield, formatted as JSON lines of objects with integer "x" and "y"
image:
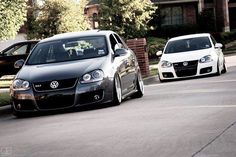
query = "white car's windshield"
{"x": 68, "y": 50}
{"x": 190, "y": 44}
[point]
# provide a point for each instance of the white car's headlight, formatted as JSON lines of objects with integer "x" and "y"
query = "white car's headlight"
{"x": 19, "y": 84}
{"x": 94, "y": 76}
{"x": 166, "y": 64}
{"x": 206, "y": 59}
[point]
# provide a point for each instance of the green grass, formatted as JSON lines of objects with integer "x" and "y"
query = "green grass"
{"x": 4, "y": 99}
{"x": 153, "y": 72}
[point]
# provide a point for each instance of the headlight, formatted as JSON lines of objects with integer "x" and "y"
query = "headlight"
{"x": 94, "y": 76}
{"x": 166, "y": 64}
{"x": 206, "y": 59}
{"x": 20, "y": 85}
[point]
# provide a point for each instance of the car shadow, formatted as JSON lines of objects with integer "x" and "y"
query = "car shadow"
{"x": 79, "y": 109}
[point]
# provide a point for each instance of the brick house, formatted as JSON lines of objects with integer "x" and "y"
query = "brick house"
{"x": 179, "y": 12}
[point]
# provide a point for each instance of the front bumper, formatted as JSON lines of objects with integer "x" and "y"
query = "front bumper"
{"x": 82, "y": 94}
{"x": 197, "y": 69}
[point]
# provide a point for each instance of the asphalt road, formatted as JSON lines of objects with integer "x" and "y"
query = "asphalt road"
{"x": 187, "y": 118}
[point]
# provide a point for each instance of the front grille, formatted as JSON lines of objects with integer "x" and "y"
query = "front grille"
{"x": 188, "y": 68}
{"x": 62, "y": 84}
{"x": 54, "y": 100}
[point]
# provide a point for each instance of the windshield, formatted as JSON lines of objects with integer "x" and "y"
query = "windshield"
{"x": 190, "y": 44}
{"x": 68, "y": 50}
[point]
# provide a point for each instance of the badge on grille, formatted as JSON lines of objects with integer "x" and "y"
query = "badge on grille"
{"x": 54, "y": 84}
{"x": 185, "y": 64}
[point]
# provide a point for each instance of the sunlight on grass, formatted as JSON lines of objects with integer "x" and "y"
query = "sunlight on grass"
{"x": 4, "y": 99}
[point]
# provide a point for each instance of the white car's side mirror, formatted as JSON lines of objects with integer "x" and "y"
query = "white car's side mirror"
{"x": 218, "y": 45}
{"x": 159, "y": 53}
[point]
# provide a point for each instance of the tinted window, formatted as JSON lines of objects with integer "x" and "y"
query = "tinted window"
{"x": 113, "y": 42}
{"x": 32, "y": 45}
{"x": 16, "y": 50}
{"x": 68, "y": 50}
{"x": 190, "y": 44}
{"x": 120, "y": 41}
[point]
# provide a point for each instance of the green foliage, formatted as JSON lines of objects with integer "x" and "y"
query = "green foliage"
{"x": 155, "y": 44}
{"x": 12, "y": 17}
{"x": 127, "y": 18}
{"x": 4, "y": 99}
{"x": 224, "y": 37}
{"x": 56, "y": 16}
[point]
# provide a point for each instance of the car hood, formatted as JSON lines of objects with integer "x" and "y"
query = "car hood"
{"x": 186, "y": 56}
{"x": 59, "y": 71}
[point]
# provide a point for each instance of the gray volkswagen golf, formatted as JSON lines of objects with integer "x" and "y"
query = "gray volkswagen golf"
{"x": 74, "y": 69}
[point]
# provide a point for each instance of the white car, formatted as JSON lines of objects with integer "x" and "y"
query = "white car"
{"x": 190, "y": 56}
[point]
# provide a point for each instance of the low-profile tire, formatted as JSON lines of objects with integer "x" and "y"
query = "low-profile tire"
{"x": 218, "y": 73}
{"x": 161, "y": 79}
{"x": 139, "y": 87}
{"x": 224, "y": 68}
{"x": 117, "y": 91}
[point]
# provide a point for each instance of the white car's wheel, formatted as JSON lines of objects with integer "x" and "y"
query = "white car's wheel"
{"x": 117, "y": 96}
{"x": 139, "y": 87}
{"x": 218, "y": 73}
{"x": 224, "y": 68}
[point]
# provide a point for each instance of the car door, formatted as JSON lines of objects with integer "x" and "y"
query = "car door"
{"x": 10, "y": 56}
{"x": 120, "y": 64}
{"x": 130, "y": 76}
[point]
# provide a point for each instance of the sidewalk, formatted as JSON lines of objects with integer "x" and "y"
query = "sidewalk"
{"x": 4, "y": 90}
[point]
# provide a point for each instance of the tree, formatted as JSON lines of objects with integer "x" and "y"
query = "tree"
{"x": 12, "y": 17}
{"x": 56, "y": 16}
{"x": 128, "y": 18}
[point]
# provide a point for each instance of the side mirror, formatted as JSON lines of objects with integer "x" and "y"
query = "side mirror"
{"x": 120, "y": 52}
{"x": 159, "y": 53}
{"x": 218, "y": 45}
{"x": 19, "y": 64}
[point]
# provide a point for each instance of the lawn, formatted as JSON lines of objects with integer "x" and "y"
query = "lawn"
{"x": 4, "y": 99}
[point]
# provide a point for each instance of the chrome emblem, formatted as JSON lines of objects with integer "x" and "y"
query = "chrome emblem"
{"x": 185, "y": 64}
{"x": 54, "y": 84}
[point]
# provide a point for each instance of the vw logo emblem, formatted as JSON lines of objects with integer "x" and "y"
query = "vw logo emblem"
{"x": 185, "y": 64}
{"x": 54, "y": 84}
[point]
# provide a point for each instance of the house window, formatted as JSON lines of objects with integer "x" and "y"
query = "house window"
{"x": 172, "y": 16}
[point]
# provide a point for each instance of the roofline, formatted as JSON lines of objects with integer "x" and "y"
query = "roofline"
{"x": 174, "y": 2}
{"x": 190, "y": 36}
{"x": 77, "y": 34}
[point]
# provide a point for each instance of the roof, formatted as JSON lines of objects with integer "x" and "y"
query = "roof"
{"x": 190, "y": 36}
{"x": 173, "y": 1}
{"x": 77, "y": 34}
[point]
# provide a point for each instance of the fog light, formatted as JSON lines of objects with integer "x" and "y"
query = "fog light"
{"x": 96, "y": 97}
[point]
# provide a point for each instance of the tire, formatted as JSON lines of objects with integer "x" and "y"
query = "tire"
{"x": 139, "y": 87}
{"x": 224, "y": 68}
{"x": 218, "y": 73}
{"x": 160, "y": 79}
{"x": 117, "y": 91}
